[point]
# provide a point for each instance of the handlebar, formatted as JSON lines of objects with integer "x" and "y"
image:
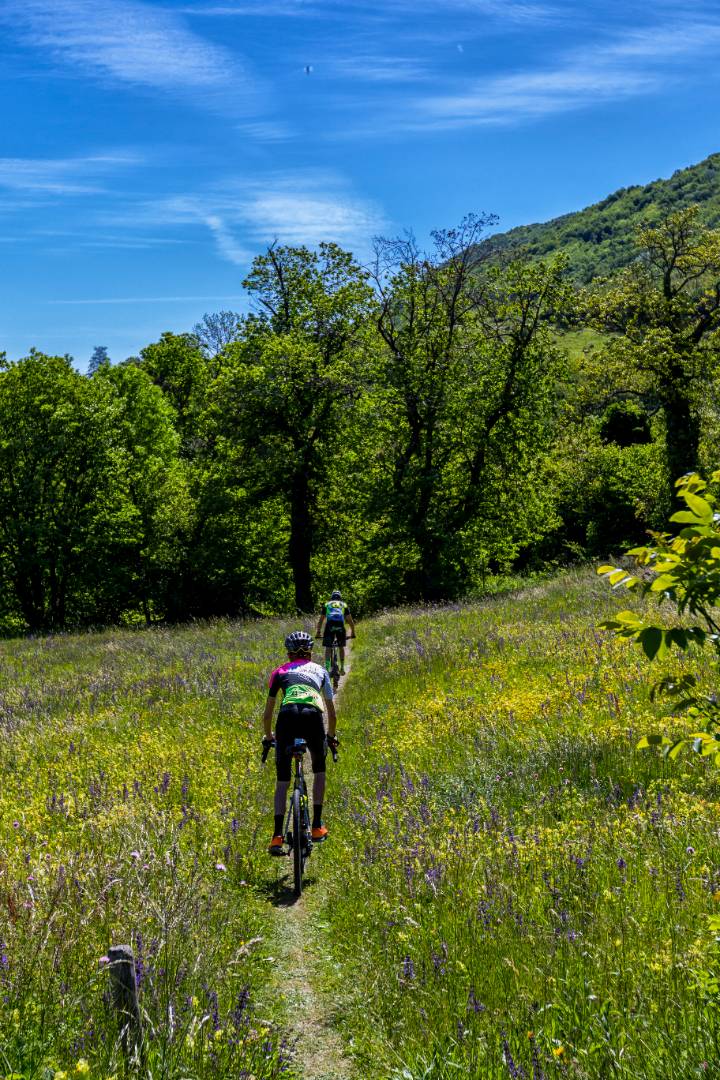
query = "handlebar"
{"x": 267, "y": 747}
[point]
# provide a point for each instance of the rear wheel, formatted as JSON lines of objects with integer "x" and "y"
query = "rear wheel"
{"x": 298, "y": 841}
{"x": 335, "y": 668}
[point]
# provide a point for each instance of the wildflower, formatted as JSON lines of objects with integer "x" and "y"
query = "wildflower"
{"x": 559, "y": 1051}
{"x": 408, "y": 969}
{"x": 690, "y": 850}
{"x": 220, "y": 866}
{"x": 83, "y": 1067}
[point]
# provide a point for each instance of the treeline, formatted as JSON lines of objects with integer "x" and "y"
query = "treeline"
{"x": 400, "y": 431}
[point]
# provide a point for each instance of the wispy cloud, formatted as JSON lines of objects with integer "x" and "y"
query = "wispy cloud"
{"x": 637, "y": 64}
{"x": 296, "y": 208}
{"x": 128, "y": 41}
{"x": 505, "y": 9}
{"x": 61, "y": 176}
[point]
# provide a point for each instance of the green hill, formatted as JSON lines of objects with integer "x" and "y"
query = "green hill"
{"x": 598, "y": 240}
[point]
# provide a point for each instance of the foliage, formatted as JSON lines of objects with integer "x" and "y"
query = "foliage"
{"x": 464, "y": 385}
{"x": 283, "y": 401}
{"x": 597, "y": 241}
{"x": 684, "y": 572}
{"x": 663, "y": 314}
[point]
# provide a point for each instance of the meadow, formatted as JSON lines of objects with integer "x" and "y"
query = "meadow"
{"x": 510, "y": 888}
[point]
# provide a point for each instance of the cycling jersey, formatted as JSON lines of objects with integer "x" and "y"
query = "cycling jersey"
{"x": 302, "y": 683}
{"x": 335, "y": 611}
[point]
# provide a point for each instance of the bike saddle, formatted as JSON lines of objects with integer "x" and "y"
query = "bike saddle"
{"x": 298, "y": 747}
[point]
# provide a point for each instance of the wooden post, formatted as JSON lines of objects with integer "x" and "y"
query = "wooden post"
{"x": 125, "y": 999}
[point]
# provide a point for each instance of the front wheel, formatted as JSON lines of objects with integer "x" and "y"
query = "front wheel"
{"x": 298, "y": 841}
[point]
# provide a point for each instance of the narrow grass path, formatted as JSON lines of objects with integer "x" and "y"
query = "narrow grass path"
{"x": 301, "y": 971}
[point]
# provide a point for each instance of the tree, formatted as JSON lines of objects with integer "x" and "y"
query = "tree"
{"x": 177, "y": 365}
{"x": 215, "y": 331}
{"x": 158, "y": 504}
{"x": 288, "y": 386}
{"x": 664, "y": 314}
{"x": 466, "y": 378}
{"x": 60, "y": 482}
{"x": 98, "y": 359}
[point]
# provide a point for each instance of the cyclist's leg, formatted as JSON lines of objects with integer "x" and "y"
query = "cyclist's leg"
{"x": 283, "y": 737}
{"x": 342, "y": 641}
{"x": 314, "y": 735}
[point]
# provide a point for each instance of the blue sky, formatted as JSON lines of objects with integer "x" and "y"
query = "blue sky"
{"x": 150, "y": 149}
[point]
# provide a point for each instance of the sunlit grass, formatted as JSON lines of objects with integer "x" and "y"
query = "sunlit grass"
{"x": 130, "y": 810}
{"x": 515, "y": 890}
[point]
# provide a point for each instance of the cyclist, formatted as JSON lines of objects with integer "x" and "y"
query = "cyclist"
{"x": 335, "y": 614}
{"x": 304, "y": 687}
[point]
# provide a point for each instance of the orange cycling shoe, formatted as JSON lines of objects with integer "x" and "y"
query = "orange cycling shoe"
{"x": 276, "y": 846}
{"x": 319, "y": 834}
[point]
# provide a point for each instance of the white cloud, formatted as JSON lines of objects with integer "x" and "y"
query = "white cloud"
{"x": 297, "y": 208}
{"x": 60, "y": 176}
{"x": 508, "y": 10}
{"x": 637, "y": 64}
{"x": 129, "y": 41}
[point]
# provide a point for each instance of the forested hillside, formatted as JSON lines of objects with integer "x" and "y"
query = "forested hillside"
{"x": 599, "y": 240}
{"x": 406, "y": 430}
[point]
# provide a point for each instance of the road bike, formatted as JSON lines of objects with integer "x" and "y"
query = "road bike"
{"x": 298, "y": 830}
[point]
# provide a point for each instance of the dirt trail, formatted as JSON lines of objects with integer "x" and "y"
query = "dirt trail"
{"x": 319, "y": 1051}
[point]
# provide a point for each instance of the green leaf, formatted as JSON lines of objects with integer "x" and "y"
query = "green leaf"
{"x": 651, "y": 639}
{"x": 663, "y": 582}
{"x": 652, "y": 740}
{"x": 699, "y": 506}
{"x": 672, "y": 752}
{"x": 684, "y": 517}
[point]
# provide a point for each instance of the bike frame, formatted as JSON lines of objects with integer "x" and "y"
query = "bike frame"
{"x": 300, "y": 847}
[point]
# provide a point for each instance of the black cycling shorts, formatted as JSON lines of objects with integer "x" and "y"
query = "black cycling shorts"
{"x": 332, "y": 633}
{"x": 299, "y": 722}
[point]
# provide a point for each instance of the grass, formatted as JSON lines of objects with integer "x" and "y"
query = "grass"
{"x": 514, "y": 891}
{"x": 130, "y": 811}
{"x": 510, "y": 889}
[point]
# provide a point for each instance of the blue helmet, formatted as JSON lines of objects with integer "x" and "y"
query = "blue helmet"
{"x": 336, "y": 595}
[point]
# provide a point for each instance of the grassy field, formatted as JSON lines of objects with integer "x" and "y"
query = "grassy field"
{"x": 510, "y": 890}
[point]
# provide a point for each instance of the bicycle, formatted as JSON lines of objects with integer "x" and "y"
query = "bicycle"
{"x": 298, "y": 830}
{"x": 335, "y": 663}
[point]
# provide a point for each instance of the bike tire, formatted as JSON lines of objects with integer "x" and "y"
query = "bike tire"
{"x": 298, "y": 842}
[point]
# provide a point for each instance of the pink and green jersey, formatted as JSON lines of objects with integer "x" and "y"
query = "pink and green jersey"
{"x": 302, "y": 682}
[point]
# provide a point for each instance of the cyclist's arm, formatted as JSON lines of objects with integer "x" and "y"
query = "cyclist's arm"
{"x": 350, "y": 622}
{"x": 321, "y": 620}
{"x": 332, "y": 717}
{"x": 268, "y": 715}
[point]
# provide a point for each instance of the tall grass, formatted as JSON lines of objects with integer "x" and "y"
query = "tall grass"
{"x": 512, "y": 890}
{"x": 130, "y": 809}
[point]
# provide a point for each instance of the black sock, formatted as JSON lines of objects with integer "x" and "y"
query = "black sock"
{"x": 278, "y": 824}
{"x": 317, "y": 816}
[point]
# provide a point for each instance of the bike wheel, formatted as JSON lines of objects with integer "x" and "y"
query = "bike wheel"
{"x": 298, "y": 841}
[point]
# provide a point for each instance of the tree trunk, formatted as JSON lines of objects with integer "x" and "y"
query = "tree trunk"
{"x": 301, "y": 541}
{"x": 682, "y": 437}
